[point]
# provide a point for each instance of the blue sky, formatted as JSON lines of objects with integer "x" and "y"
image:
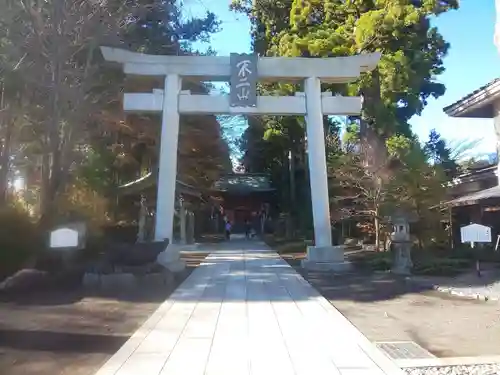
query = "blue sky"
{"x": 471, "y": 62}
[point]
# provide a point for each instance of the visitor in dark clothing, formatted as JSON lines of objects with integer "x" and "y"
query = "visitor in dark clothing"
{"x": 248, "y": 228}
{"x": 228, "y": 230}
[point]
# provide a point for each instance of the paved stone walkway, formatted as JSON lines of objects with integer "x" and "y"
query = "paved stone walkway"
{"x": 246, "y": 311}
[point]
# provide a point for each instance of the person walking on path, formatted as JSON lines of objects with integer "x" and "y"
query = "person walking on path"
{"x": 228, "y": 230}
{"x": 248, "y": 228}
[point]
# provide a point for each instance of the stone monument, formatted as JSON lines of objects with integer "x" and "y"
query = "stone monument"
{"x": 400, "y": 241}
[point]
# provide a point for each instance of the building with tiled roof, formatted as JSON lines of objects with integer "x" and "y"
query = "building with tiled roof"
{"x": 479, "y": 201}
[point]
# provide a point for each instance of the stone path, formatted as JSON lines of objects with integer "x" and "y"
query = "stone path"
{"x": 246, "y": 311}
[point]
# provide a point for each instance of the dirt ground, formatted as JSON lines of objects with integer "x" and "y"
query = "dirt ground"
{"x": 72, "y": 333}
{"x": 386, "y": 308}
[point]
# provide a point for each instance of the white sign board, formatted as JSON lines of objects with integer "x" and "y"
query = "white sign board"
{"x": 475, "y": 233}
{"x": 64, "y": 237}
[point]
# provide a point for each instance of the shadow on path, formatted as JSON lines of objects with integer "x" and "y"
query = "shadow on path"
{"x": 42, "y": 340}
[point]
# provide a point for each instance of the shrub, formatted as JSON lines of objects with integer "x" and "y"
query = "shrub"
{"x": 20, "y": 240}
{"x": 373, "y": 261}
{"x": 291, "y": 247}
{"x": 423, "y": 265}
{"x": 441, "y": 267}
{"x": 82, "y": 203}
{"x": 484, "y": 254}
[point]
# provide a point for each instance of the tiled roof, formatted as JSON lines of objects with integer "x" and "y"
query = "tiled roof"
{"x": 243, "y": 182}
{"x": 475, "y": 198}
{"x": 467, "y": 97}
{"x": 150, "y": 180}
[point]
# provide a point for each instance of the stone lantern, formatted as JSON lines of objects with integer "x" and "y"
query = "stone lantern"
{"x": 400, "y": 242}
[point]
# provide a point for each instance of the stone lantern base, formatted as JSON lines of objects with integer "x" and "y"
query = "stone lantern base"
{"x": 402, "y": 263}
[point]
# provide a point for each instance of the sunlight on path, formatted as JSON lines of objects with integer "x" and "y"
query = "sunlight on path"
{"x": 246, "y": 311}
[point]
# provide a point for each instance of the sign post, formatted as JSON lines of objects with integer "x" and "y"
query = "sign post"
{"x": 243, "y": 80}
{"x": 475, "y": 233}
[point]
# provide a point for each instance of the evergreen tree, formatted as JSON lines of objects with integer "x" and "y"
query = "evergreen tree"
{"x": 439, "y": 154}
{"x": 412, "y": 50}
{"x": 399, "y": 88}
{"x": 160, "y": 28}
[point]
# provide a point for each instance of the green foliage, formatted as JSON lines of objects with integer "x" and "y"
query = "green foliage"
{"x": 439, "y": 154}
{"x": 351, "y": 136}
{"x": 395, "y": 171}
{"x": 376, "y": 261}
{"x": 82, "y": 202}
{"x": 481, "y": 253}
{"x": 398, "y": 146}
{"x": 161, "y": 28}
{"x": 412, "y": 50}
{"x": 428, "y": 265}
{"x": 96, "y": 170}
{"x": 441, "y": 266}
{"x": 419, "y": 187}
{"x": 20, "y": 240}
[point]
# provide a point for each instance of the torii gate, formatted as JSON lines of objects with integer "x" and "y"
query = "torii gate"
{"x": 313, "y": 104}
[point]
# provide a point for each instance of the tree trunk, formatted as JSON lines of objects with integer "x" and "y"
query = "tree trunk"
{"x": 45, "y": 201}
{"x": 376, "y": 224}
{"x": 51, "y": 169}
{"x": 7, "y": 125}
{"x": 293, "y": 194}
{"x": 368, "y": 136}
{"x": 5, "y": 162}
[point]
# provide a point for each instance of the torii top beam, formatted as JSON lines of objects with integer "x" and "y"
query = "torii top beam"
{"x": 217, "y": 68}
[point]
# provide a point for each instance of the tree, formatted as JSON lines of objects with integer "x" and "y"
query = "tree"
{"x": 161, "y": 29}
{"x": 73, "y": 101}
{"x": 363, "y": 191}
{"x": 406, "y": 77}
{"x": 439, "y": 154}
{"x": 419, "y": 187}
{"x": 10, "y": 121}
{"x": 412, "y": 50}
{"x": 53, "y": 45}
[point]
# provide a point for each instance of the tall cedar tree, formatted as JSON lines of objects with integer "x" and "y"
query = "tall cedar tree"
{"x": 412, "y": 50}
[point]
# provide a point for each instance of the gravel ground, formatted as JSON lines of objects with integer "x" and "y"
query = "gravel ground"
{"x": 469, "y": 285}
{"x": 491, "y": 369}
{"x": 385, "y": 308}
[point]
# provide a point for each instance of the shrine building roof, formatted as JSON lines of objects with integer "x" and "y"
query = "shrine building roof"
{"x": 477, "y": 104}
{"x": 150, "y": 180}
{"x": 243, "y": 183}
